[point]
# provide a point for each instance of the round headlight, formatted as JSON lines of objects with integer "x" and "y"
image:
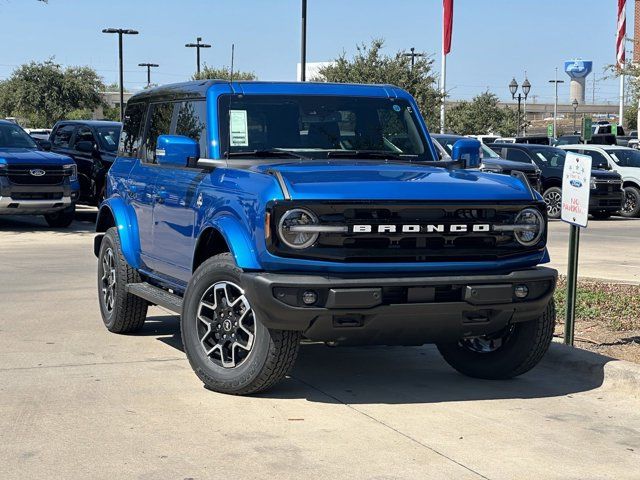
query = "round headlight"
{"x": 532, "y": 223}
{"x": 297, "y": 237}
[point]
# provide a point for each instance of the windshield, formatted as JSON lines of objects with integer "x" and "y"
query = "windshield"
{"x": 552, "y": 157}
{"x": 448, "y": 142}
{"x": 625, "y": 158}
{"x": 108, "y": 137}
{"x": 322, "y": 127}
{"x": 12, "y": 136}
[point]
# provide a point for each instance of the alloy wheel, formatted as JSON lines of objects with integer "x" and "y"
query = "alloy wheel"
{"x": 630, "y": 202}
{"x": 554, "y": 203}
{"x": 108, "y": 279}
{"x": 226, "y": 324}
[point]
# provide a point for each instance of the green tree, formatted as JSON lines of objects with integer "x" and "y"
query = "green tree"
{"x": 43, "y": 93}
{"x": 223, "y": 73}
{"x": 482, "y": 115}
{"x": 370, "y": 65}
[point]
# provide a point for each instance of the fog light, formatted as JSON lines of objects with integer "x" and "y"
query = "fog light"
{"x": 309, "y": 297}
{"x": 521, "y": 291}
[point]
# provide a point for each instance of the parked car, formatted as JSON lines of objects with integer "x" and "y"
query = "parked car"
{"x": 606, "y": 185}
{"x": 41, "y": 137}
{"x": 485, "y": 139}
{"x": 491, "y": 161}
{"x": 268, "y": 211}
{"x": 92, "y": 144}
{"x": 625, "y": 161}
{"x": 35, "y": 182}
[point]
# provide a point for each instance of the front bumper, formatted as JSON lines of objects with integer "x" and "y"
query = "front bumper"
{"x": 36, "y": 199}
{"x": 610, "y": 202}
{"x": 398, "y": 311}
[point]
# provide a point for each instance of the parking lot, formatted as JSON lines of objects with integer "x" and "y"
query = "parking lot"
{"x": 83, "y": 403}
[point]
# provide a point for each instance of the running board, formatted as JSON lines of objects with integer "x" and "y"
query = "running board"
{"x": 156, "y": 295}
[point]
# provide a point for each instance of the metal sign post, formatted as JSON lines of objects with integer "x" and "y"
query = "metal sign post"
{"x": 576, "y": 184}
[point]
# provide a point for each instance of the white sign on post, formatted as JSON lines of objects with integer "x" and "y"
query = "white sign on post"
{"x": 576, "y": 186}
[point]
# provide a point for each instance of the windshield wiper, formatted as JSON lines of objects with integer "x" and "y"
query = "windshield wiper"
{"x": 363, "y": 154}
{"x": 267, "y": 153}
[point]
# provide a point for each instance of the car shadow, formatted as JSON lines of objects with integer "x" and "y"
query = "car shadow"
{"x": 84, "y": 221}
{"x": 402, "y": 375}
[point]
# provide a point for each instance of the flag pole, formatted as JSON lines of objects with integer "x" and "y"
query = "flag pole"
{"x": 443, "y": 88}
{"x": 621, "y": 109}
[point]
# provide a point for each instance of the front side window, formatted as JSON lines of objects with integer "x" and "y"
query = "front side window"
{"x": 12, "y": 136}
{"x": 62, "y": 137}
{"x": 322, "y": 126}
{"x": 131, "y": 137}
{"x": 160, "y": 117}
{"x": 192, "y": 122}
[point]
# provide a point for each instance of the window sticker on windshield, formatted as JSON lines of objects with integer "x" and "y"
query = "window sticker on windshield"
{"x": 396, "y": 108}
{"x": 238, "y": 130}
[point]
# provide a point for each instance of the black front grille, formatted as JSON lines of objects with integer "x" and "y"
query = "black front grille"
{"x": 24, "y": 175}
{"x": 408, "y": 247}
{"x": 605, "y": 188}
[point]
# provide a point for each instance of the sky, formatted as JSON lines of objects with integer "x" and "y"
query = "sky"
{"x": 493, "y": 40}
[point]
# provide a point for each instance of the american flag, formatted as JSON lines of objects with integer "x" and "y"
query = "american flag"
{"x": 621, "y": 33}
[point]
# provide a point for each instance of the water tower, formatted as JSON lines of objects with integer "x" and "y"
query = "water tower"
{"x": 578, "y": 71}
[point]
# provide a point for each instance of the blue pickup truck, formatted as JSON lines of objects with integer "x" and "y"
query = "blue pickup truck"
{"x": 34, "y": 181}
{"x": 265, "y": 213}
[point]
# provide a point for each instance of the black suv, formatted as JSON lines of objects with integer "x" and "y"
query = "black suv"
{"x": 491, "y": 161}
{"x": 93, "y": 145}
{"x": 606, "y": 186}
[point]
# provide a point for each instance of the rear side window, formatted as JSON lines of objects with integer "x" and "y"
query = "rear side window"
{"x": 192, "y": 123}
{"x": 160, "y": 118}
{"x": 62, "y": 137}
{"x": 84, "y": 134}
{"x": 131, "y": 137}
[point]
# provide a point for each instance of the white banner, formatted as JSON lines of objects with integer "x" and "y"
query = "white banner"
{"x": 576, "y": 187}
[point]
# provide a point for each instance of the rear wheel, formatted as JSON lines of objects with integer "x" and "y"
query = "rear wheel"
{"x": 505, "y": 354}
{"x": 61, "y": 218}
{"x": 553, "y": 198}
{"x": 228, "y": 347}
{"x": 631, "y": 202}
{"x": 121, "y": 311}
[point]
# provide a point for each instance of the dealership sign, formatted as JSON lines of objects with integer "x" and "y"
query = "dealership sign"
{"x": 576, "y": 185}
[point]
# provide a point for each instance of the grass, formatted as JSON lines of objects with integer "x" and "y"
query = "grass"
{"x": 616, "y": 306}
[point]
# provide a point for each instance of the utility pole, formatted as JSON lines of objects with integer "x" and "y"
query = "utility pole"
{"x": 555, "y": 104}
{"x": 198, "y": 45}
{"x": 303, "y": 43}
{"x": 120, "y": 32}
{"x": 149, "y": 67}
{"x": 413, "y": 56}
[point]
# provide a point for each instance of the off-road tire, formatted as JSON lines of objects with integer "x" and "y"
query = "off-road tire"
{"x": 271, "y": 357}
{"x": 129, "y": 312}
{"x": 62, "y": 218}
{"x": 553, "y": 195}
{"x": 522, "y": 350}
{"x": 635, "y": 211}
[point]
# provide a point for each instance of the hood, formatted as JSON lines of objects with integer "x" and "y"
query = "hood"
{"x": 25, "y": 156}
{"x": 606, "y": 174}
{"x": 373, "y": 180}
{"x": 509, "y": 165}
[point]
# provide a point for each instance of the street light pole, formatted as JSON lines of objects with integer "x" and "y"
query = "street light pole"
{"x": 198, "y": 45}
{"x": 513, "y": 88}
{"x": 575, "y": 112}
{"x": 303, "y": 43}
{"x": 120, "y": 32}
{"x": 149, "y": 66}
{"x": 555, "y": 104}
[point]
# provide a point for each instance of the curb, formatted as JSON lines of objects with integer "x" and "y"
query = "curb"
{"x": 606, "y": 371}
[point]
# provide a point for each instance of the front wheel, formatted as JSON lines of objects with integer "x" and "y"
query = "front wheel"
{"x": 631, "y": 202}
{"x": 506, "y": 354}
{"x": 228, "y": 347}
{"x": 61, "y": 218}
{"x": 553, "y": 198}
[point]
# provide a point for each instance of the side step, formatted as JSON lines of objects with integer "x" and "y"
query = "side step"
{"x": 156, "y": 295}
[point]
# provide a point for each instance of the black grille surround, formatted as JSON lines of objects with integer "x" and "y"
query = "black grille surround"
{"x": 348, "y": 247}
{"x": 54, "y": 175}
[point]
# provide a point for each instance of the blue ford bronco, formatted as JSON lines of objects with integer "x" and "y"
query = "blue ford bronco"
{"x": 267, "y": 213}
{"x": 33, "y": 181}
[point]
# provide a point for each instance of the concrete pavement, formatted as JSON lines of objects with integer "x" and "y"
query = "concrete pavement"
{"x": 79, "y": 402}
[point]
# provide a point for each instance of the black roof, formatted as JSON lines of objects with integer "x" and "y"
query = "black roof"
{"x": 197, "y": 88}
{"x": 521, "y": 146}
{"x": 92, "y": 123}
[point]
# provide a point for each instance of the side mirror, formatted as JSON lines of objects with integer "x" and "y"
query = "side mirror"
{"x": 85, "y": 146}
{"x": 177, "y": 150}
{"x": 44, "y": 145}
{"x": 467, "y": 152}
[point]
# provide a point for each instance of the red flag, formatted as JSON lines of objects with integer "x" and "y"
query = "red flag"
{"x": 447, "y": 25}
{"x": 621, "y": 33}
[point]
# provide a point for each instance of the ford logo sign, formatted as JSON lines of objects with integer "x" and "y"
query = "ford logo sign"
{"x": 37, "y": 172}
{"x": 576, "y": 183}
